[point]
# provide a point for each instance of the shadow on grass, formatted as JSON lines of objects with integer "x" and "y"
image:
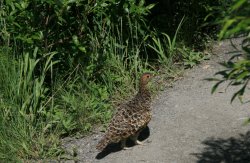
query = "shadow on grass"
{"x": 231, "y": 150}
{"x": 115, "y": 147}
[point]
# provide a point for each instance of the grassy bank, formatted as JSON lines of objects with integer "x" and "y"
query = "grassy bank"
{"x": 63, "y": 69}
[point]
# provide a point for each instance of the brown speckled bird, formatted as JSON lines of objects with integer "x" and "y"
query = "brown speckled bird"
{"x": 130, "y": 119}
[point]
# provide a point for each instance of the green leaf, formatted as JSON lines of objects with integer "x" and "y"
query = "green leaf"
{"x": 216, "y": 86}
{"x": 238, "y": 4}
{"x": 242, "y": 75}
{"x": 149, "y": 7}
{"x": 240, "y": 92}
{"x": 226, "y": 27}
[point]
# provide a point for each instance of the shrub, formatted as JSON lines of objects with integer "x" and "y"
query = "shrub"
{"x": 236, "y": 22}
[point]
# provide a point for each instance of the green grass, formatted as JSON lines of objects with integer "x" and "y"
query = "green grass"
{"x": 39, "y": 105}
{"x": 166, "y": 47}
{"x": 22, "y": 114}
{"x": 34, "y": 115}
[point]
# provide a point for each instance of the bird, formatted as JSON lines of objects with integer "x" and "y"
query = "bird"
{"x": 130, "y": 118}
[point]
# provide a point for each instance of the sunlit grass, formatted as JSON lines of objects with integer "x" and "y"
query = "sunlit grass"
{"x": 39, "y": 105}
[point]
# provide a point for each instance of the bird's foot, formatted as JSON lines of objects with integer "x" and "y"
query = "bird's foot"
{"x": 126, "y": 148}
{"x": 123, "y": 145}
{"x": 137, "y": 142}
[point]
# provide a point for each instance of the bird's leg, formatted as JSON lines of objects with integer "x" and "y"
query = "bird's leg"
{"x": 135, "y": 139}
{"x": 123, "y": 144}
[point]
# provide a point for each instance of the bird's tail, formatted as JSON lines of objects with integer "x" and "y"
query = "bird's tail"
{"x": 103, "y": 143}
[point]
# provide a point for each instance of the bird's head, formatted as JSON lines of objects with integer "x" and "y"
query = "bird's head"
{"x": 145, "y": 78}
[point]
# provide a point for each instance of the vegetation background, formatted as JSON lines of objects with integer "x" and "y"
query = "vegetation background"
{"x": 65, "y": 64}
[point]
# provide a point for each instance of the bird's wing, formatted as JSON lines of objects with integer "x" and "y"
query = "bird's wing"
{"x": 121, "y": 125}
{"x": 126, "y": 123}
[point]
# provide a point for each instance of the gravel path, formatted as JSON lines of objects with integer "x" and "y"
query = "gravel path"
{"x": 189, "y": 124}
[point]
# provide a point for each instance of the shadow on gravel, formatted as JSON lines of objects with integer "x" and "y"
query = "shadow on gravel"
{"x": 115, "y": 147}
{"x": 231, "y": 150}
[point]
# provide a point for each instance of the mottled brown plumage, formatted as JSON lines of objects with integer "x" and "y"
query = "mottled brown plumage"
{"x": 130, "y": 118}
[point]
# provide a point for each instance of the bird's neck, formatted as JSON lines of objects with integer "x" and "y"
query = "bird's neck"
{"x": 143, "y": 89}
{"x": 144, "y": 96}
